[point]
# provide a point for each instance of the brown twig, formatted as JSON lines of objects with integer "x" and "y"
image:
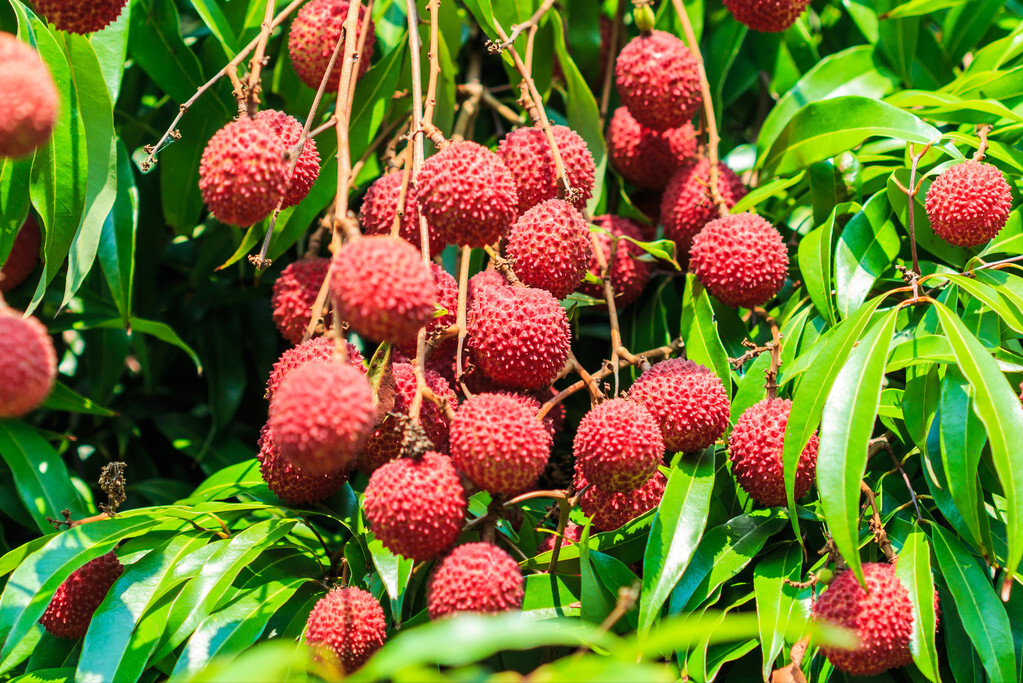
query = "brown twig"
{"x": 258, "y": 60}
{"x": 344, "y": 120}
{"x": 460, "y": 316}
{"x": 771, "y": 374}
{"x": 517, "y": 29}
{"x": 876, "y": 525}
{"x": 911, "y": 192}
{"x": 609, "y": 68}
{"x": 982, "y": 132}
{"x": 883, "y": 443}
{"x": 473, "y": 88}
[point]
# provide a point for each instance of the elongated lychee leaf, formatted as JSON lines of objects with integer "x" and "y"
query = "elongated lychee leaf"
{"x": 914, "y": 571}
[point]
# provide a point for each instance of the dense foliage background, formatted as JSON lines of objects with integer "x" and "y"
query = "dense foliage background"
{"x": 166, "y": 339}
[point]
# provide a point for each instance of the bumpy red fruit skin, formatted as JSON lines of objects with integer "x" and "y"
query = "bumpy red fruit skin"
{"x": 767, "y": 16}
{"x": 688, "y": 401}
{"x": 658, "y": 79}
{"x": 29, "y": 364}
{"x": 75, "y": 601}
{"x": 76, "y": 16}
{"x": 416, "y": 507}
{"x": 385, "y": 443}
{"x": 550, "y": 247}
{"x": 475, "y": 577}
{"x": 741, "y": 259}
{"x": 527, "y": 154}
{"x": 755, "y": 446}
{"x": 307, "y": 168}
{"x": 28, "y": 98}
{"x": 573, "y": 532}
{"x": 609, "y": 511}
{"x": 380, "y": 204}
{"x": 687, "y": 205}
{"x": 242, "y": 173}
{"x": 447, "y": 298}
{"x": 294, "y": 294}
{"x": 314, "y": 35}
{"x": 24, "y": 256}
{"x": 628, "y": 276}
{"x": 499, "y": 444}
{"x": 881, "y": 616}
{"x": 317, "y": 348}
{"x": 289, "y": 483}
{"x": 519, "y": 336}
{"x": 618, "y": 445}
{"x": 322, "y": 415}
{"x": 467, "y": 194}
{"x": 969, "y": 203}
{"x": 382, "y": 288}
{"x": 349, "y": 623}
{"x": 648, "y": 158}
{"x": 482, "y": 280}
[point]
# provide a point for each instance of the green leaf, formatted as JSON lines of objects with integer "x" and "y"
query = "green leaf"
{"x": 867, "y": 246}
{"x": 218, "y": 24}
{"x": 779, "y": 604}
{"x": 117, "y": 240}
{"x": 699, "y": 330}
{"x": 154, "y": 329}
{"x": 914, "y": 8}
{"x": 992, "y": 298}
{"x": 63, "y": 398}
{"x": 815, "y": 262}
{"x": 394, "y": 572}
{"x": 14, "y": 200}
{"x": 914, "y": 571}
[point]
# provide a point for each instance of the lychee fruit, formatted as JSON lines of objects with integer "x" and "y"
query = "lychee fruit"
{"x": 380, "y": 205}
{"x": 447, "y": 298}
{"x": 767, "y": 16}
{"x": 550, "y": 247}
{"x": 289, "y": 483}
{"x": 29, "y": 365}
{"x": 416, "y": 506}
{"x": 28, "y": 97}
{"x": 294, "y": 294}
{"x": 659, "y": 80}
{"x": 618, "y": 445}
{"x": 687, "y": 205}
{"x": 317, "y": 348}
{"x": 741, "y": 259}
{"x": 756, "y": 445}
{"x": 499, "y": 444}
{"x": 23, "y": 257}
{"x": 387, "y": 440}
{"x": 307, "y": 168}
{"x": 467, "y": 194}
{"x": 314, "y": 35}
{"x": 687, "y": 400}
{"x": 347, "y": 623}
{"x": 969, "y": 203}
{"x": 628, "y": 274}
{"x": 382, "y": 288}
{"x": 79, "y": 17}
{"x": 519, "y": 336}
{"x": 645, "y": 157}
{"x": 243, "y": 172}
{"x": 609, "y": 511}
{"x": 482, "y": 280}
{"x": 322, "y": 415}
{"x": 881, "y": 616}
{"x": 573, "y": 534}
{"x": 475, "y": 577}
{"x": 533, "y": 403}
{"x": 527, "y": 154}
{"x": 75, "y": 601}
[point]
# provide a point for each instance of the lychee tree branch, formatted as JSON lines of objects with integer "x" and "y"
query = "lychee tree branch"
{"x": 517, "y": 29}
{"x": 258, "y": 59}
{"x": 771, "y": 374}
{"x": 609, "y": 68}
{"x": 344, "y": 120}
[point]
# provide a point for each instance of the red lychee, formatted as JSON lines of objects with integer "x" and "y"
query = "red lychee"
{"x": 767, "y": 16}
{"x": 322, "y": 415}
{"x": 550, "y": 247}
{"x": 307, "y": 169}
{"x": 659, "y": 80}
{"x": 482, "y": 280}
{"x": 499, "y": 444}
{"x": 741, "y": 259}
{"x": 645, "y": 157}
{"x": 349, "y": 624}
{"x": 687, "y": 400}
{"x": 416, "y": 506}
{"x": 75, "y": 601}
{"x": 28, "y": 98}
{"x": 382, "y": 288}
{"x": 467, "y": 194}
{"x": 317, "y": 348}
{"x": 75, "y": 16}
{"x": 289, "y": 483}
{"x": 618, "y": 445}
{"x": 527, "y": 154}
{"x": 755, "y": 446}
{"x": 380, "y": 204}
{"x": 519, "y": 336}
{"x": 23, "y": 257}
{"x": 29, "y": 365}
{"x": 294, "y": 294}
{"x": 609, "y": 511}
{"x": 628, "y": 275}
{"x": 447, "y": 298}
{"x": 969, "y": 203}
{"x": 687, "y": 205}
{"x": 475, "y": 577}
{"x": 573, "y": 534}
{"x": 314, "y": 35}
{"x": 881, "y": 616}
{"x": 243, "y": 172}
{"x": 533, "y": 403}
